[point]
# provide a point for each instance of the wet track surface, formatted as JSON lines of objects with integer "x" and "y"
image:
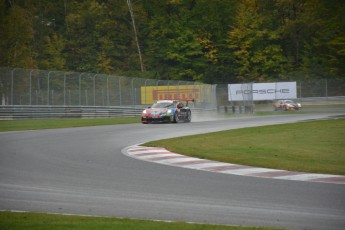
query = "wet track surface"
{"x": 83, "y": 171}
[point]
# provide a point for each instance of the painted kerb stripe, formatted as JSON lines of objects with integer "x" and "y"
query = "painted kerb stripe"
{"x": 163, "y": 156}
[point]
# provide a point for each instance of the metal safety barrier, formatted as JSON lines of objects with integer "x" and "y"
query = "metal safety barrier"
{"x": 36, "y": 112}
{"x": 9, "y": 112}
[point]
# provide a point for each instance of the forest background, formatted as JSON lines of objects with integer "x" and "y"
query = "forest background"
{"x": 209, "y": 41}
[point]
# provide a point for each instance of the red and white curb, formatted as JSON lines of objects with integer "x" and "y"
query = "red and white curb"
{"x": 163, "y": 156}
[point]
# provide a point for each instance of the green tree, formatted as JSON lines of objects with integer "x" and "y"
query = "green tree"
{"x": 312, "y": 36}
{"x": 51, "y": 54}
{"x": 176, "y": 53}
{"x": 255, "y": 42}
{"x": 187, "y": 39}
{"x": 82, "y": 36}
{"x": 16, "y": 36}
{"x": 50, "y": 33}
{"x": 210, "y": 21}
{"x": 125, "y": 51}
{"x": 100, "y": 37}
{"x": 325, "y": 51}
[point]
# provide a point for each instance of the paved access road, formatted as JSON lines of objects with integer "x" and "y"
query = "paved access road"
{"x": 83, "y": 171}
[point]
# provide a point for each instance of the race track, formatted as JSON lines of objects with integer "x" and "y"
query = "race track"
{"x": 83, "y": 171}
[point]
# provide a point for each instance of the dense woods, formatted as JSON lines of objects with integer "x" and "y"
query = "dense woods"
{"x": 211, "y": 41}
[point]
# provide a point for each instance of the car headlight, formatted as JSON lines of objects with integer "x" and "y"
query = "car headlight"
{"x": 144, "y": 112}
{"x": 169, "y": 111}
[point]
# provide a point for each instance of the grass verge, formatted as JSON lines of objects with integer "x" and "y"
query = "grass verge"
{"x": 14, "y": 125}
{"x": 316, "y": 146}
{"x": 27, "y": 221}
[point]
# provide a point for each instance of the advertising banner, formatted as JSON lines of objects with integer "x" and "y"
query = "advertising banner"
{"x": 151, "y": 94}
{"x": 262, "y": 91}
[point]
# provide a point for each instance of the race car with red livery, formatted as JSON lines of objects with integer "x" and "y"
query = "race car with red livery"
{"x": 286, "y": 105}
{"x": 167, "y": 111}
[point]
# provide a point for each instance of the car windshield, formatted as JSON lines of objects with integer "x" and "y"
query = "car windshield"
{"x": 161, "y": 105}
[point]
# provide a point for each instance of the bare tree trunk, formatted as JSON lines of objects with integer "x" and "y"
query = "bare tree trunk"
{"x": 129, "y": 3}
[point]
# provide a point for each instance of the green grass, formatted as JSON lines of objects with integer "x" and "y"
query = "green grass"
{"x": 325, "y": 106}
{"x": 267, "y": 109}
{"x": 34, "y": 221}
{"x": 266, "y": 113}
{"x": 13, "y": 125}
{"x": 316, "y": 146}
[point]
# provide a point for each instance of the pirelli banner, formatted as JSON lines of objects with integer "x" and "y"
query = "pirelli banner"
{"x": 151, "y": 94}
{"x": 262, "y": 91}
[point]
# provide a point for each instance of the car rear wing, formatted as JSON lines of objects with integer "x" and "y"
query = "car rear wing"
{"x": 188, "y": 100}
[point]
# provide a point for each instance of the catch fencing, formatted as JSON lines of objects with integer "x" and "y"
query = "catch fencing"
{"x": 31, "y": 93}
{"x": 28, "y": 87}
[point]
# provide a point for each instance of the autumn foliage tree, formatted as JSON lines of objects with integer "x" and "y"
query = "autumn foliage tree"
{"x": 218, "y": 41}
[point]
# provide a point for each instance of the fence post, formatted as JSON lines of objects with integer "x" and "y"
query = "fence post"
{"x": 326, "y": 88}
{"x": 30, "y": 86}
{"x": 94, "y": 90}
{"x": 108, "y": 90}
{"x": 64, "y": 89}
{"x": 12, "y": 85}
{"x": 52, "y": 97}
{"x": 48, "y": 88}
{"x": 80, "y": 88}
{"x": 120, "y": 91}
{"x": 132, "y": 99}
{"x": 86, "y": 100}
{"x": 145, "y": 91}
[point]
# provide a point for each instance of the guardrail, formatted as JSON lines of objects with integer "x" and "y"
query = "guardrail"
{"x": 12, "y": 112}
{"x": 8, "y": 112}
{"x": 36, "y": 112}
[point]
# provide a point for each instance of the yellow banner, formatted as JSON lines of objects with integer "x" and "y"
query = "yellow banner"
{"x": 151, "y": 94}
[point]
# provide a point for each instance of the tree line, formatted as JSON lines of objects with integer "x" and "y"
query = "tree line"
{"x": 210, "y": 41}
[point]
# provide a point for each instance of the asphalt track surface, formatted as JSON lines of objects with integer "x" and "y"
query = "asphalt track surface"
{"x": 83, "y": 171}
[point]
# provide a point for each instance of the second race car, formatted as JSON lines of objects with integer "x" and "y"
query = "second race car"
{"x": 286, "y": 105}
{"x": 167, "y": 111}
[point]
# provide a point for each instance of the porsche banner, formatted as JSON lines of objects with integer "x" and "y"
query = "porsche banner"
{"x": 151, "y": 94}
{"x": 262, "y": 91}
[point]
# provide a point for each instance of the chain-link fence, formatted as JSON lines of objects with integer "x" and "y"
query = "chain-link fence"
{"x": 321, "y": 88}
{"x": 55, "y": 88}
